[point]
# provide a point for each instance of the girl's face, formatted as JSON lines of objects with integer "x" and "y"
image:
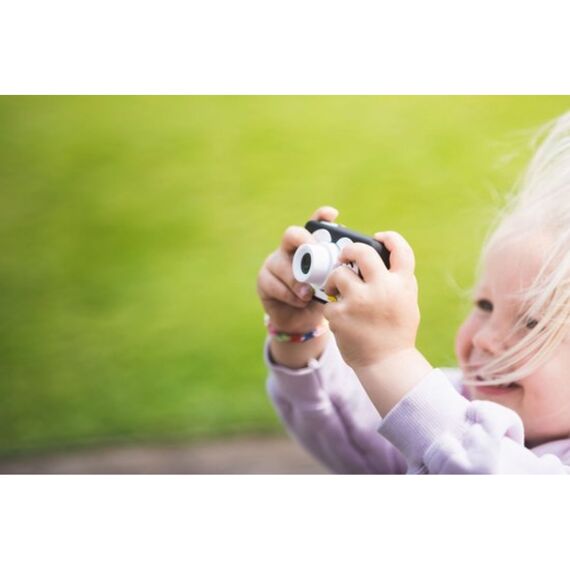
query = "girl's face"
{"x": 542, "y": 399}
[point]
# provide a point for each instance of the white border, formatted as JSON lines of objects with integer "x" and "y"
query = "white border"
{"x": 283, "y": 522}
{"x": 283, "y": 47}
{"x": 297, "y": 46}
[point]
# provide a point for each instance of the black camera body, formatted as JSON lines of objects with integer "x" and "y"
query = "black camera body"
{"x": 313, "y": 263}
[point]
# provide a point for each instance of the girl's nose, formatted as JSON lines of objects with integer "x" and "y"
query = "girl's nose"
{"x": 490, "y": 339}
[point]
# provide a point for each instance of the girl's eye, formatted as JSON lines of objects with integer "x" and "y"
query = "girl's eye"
{"x": 531, "y": 323}
{"x": 484, "y": 305}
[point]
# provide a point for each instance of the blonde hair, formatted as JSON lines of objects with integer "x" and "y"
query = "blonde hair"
{"x": 538, "y": 206}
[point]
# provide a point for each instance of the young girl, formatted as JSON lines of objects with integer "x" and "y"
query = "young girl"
{"x": 351, "y": 386}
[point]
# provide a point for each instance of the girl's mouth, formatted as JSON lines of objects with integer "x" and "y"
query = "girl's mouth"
{"x": 496, "y": 389}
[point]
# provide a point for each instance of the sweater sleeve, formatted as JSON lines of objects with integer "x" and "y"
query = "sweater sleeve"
{"x": 440, "y": 431}
{"x": 325, "y": 408}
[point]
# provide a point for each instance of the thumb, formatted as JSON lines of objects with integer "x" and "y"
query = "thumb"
{"x": 325, "y": 213}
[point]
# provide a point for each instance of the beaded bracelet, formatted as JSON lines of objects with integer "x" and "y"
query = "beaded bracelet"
{"x": 280, "y": 336}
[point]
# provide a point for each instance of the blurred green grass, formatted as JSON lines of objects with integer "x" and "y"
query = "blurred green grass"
{"x": 132, "y": 230}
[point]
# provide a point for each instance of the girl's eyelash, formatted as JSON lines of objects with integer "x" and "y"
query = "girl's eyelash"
{"x": 531, "y": 323}
{"x": 484, "y": 305}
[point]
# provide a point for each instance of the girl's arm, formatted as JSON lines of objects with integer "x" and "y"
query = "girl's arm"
{"x": 434, "y": 427}
{"x": 324, "y": 407}
{"x": 440, "y": 431}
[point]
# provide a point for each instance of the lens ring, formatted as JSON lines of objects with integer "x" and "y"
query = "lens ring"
{"x": 306, "y": 263}
{"x": 313, "y": 262}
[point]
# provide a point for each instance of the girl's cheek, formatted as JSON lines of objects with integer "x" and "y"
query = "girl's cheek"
{"x": 463, "y": 341}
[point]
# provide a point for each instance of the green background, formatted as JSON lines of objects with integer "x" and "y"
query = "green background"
{"x": 132, "y": 230}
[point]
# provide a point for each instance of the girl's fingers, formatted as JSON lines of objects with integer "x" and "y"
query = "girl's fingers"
{"x": 341, "y": 280}
{"x": 279, "y": 266}
{"x": 402, "y": 257}
{"x": 271, "y": 287}
{"x": 293, "y": 237}
{"x": 326, "y": 213}
{"x": 366, "y": 258}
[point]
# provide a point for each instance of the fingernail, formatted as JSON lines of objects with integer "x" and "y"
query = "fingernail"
{"x": 305, "y": 291}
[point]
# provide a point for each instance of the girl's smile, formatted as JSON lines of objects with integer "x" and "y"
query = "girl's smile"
{"x": 541, "y": 399}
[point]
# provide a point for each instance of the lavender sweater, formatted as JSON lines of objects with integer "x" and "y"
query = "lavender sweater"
{"x": 433, "y": 429}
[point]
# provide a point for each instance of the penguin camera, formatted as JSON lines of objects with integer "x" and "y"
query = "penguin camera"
{"x": 314, "y": 262}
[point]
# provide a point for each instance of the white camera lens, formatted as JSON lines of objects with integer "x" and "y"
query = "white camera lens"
{"x": 312, "y": 263}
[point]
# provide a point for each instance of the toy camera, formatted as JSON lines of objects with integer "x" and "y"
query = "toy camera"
{"x": 314, "y": 262}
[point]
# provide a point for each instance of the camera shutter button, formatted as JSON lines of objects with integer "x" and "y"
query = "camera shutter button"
{"x": 322, "y": 236}
{"x": 343, "y": 242}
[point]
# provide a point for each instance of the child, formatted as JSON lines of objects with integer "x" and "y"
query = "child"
{"x": 359, "y": 395}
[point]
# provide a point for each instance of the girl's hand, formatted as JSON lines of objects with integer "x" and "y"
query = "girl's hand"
{"x": 376, "y": 319}
{"x": 377, "y": 316}
{"x": 286, "y": 301}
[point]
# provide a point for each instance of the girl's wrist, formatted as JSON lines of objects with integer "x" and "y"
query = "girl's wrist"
{"x": 286, "y": 335}
{"x": 297, "y": 355}
{"x": 294, "y": 349}
{"x": 387, "y": 381}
